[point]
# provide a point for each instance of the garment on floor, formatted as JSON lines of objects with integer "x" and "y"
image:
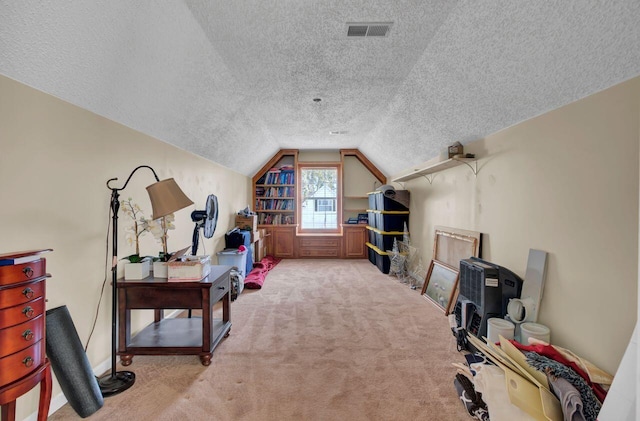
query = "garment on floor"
{"x": 255, "y": 279}
{"x": 471, "y": 399}
{"x": 554, "y": 354}
{"x": 570, "y": 400}
{"x": 490, "y": 381}
{"x": 553, "y": 368}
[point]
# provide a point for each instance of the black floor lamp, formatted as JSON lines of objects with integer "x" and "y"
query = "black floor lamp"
{"x": 166, "y": 198}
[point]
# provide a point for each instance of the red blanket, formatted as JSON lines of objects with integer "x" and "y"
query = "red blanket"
{"x": 255, "y": 278}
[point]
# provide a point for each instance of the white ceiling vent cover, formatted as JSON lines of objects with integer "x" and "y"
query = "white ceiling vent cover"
{"x": 368, "y": 29}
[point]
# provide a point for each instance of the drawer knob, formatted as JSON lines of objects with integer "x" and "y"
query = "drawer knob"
{"x": 28, "y": 312}
{"x": 27, "y": 335}
{"x": 28, "y": 292}
{"x": 28, "y": 271}
{"x": 220, "y": 287}
{"x": 28, "y": 362}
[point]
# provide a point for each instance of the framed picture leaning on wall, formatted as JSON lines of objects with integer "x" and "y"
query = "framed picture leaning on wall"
{"x": 441, "y": 285}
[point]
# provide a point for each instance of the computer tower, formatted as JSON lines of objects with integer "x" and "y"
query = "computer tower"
{"x": 484, "y": 292}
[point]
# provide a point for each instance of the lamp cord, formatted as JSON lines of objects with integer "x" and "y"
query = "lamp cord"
{"x": 104, "y": 282}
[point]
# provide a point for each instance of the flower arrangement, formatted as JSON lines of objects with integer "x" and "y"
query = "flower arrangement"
{"x": 139, "y": 227}
{"x": 159, "y": 228}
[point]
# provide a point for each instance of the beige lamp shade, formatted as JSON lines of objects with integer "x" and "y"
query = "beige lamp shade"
{"x": 166, "y": 197}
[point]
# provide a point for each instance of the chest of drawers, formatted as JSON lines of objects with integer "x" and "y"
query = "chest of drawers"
{"x": 23, "y": 363}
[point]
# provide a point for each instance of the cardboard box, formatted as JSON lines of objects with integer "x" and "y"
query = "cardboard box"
{"x": 249, "y": 223}
{"x": 260, "y": 251}
{"x": 192, "y": 268}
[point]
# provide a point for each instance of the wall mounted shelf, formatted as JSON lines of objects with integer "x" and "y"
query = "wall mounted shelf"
{"x": 431, "y": 169}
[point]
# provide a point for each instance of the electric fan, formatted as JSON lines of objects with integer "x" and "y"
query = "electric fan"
{"x": 206, "y": 219}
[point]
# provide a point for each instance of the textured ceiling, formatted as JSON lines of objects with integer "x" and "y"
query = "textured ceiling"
{"x": 220, "y": 78}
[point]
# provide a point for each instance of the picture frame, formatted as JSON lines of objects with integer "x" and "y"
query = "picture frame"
{"x": 441, "y": 285}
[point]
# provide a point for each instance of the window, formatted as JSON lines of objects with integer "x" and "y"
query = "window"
{"x": 325, "y": 205}
{"x": 319, "y": 196}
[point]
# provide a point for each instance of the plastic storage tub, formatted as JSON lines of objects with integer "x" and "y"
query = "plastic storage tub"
{"x": 233, "y": 257}
{"x": 385, "y": 203}
{"x": 384, "y": 240}
{"x": 373, "y": 202}
{"x": 372, "y": 255}
{"x": 372, "y": 235}
{"x": 391, "y": 220}
{"x": 379, "y": 258}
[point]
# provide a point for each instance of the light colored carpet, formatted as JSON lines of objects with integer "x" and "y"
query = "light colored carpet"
{"x": 322, "y": 340}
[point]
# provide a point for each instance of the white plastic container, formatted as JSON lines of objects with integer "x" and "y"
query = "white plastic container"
{"x": 534, "y": 330}
{"x": 233, "y": 257}
{"x": 496, "y": 327}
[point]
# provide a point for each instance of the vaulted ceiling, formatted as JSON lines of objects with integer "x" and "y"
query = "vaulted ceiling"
{"x": 234, "y": 81}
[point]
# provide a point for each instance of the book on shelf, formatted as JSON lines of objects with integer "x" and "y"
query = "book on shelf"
{"x": 19, "y": 260}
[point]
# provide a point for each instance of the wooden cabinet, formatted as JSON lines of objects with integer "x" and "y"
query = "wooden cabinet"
{"x": 23, "y": 363}
{"x": 354, "y": 238}
{"x": 282, "y": 241}
{"x": 321, "y": 246}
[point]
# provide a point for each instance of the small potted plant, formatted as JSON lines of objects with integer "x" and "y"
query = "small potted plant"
{"x": 138, "y": 267}
{"x": 159, "y": 228}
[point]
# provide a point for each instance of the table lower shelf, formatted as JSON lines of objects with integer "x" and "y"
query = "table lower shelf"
{"x": 175, "y": 336}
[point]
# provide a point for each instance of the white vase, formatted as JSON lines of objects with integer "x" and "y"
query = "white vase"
{"x": 160, "y": 270}
{"x": 137, "y": 270}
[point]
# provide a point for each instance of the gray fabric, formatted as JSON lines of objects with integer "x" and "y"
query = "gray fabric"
{"x": 569, "y": 398}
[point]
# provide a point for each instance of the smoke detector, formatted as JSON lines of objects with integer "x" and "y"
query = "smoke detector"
{"x": 368, "y": 29}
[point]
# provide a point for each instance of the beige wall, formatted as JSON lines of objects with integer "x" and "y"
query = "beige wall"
{"x": 565, "y": 182}
{"x": 54, "y": 162}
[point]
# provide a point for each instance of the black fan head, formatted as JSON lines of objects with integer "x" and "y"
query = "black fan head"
{"x": 206, "y": 219}
{"x": 211, "y": 216}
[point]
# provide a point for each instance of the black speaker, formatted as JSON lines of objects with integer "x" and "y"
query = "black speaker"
{"x": 70, "y": 363}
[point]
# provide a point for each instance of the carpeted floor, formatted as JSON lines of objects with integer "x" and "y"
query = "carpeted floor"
{"x": 322, "y": 340}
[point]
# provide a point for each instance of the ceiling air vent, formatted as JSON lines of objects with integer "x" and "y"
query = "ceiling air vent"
{"x": 370, "y": 29}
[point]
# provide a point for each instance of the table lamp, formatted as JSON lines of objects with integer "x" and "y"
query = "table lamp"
{"x": 166, "y": 198}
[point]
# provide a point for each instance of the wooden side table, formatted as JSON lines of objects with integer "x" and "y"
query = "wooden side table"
{"x": 194, "y": 336}
{"x": 23, "y": 364}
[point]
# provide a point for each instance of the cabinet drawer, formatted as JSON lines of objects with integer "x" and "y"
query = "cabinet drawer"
{"x": 21, "y": 313}
{"x": 318, "y": 252}
{"x": 23, "y": 272}
{"x": 18, "y": 337}
{"x": 319, "y": 242}
{"x": 15, "y": 366}
{"x": 219, "y": 288}
{"x": 21, "y": 294}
